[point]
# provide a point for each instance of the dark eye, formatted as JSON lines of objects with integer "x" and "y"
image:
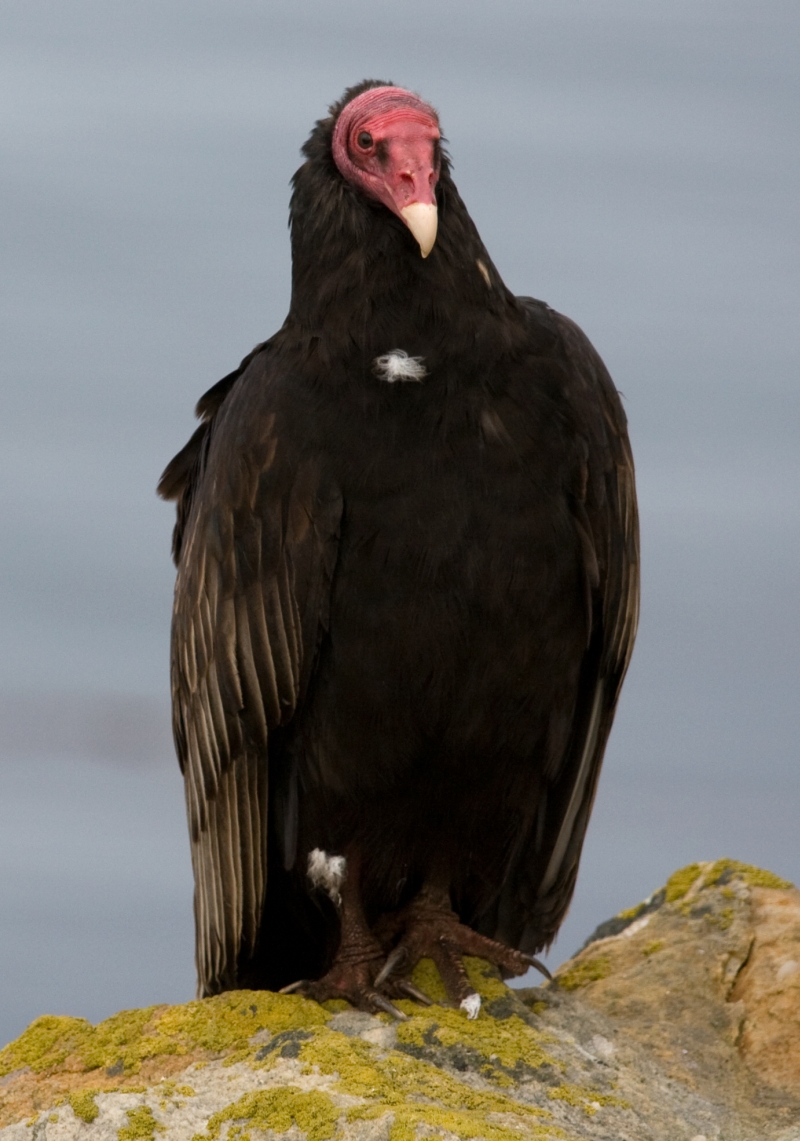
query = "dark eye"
{"x": 365, "y": 140}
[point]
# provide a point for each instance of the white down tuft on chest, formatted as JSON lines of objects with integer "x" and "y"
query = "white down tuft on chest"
{"x": 398, "y": 365}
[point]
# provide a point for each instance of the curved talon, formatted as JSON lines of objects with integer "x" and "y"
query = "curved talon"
{"x": 537, "y": 965}
{"x": 386, "y": 1006}
{"x": 397, "y": 956}
{"x": 414, "y": 992}
{"x": 292, "y": 988}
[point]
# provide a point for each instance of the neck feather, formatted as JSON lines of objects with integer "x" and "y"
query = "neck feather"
{"x": 356, "y": 268}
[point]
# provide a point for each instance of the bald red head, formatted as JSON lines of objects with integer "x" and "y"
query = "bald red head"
{"x": 386, "y": 142}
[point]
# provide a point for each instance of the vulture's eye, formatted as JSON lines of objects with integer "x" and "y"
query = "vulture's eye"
{"x": 364, "y": 140}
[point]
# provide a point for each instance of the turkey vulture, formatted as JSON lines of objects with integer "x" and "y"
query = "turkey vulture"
{"x": 406, "y": 598}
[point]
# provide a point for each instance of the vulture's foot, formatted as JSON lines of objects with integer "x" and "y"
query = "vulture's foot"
{"x": 357, "y": 983}
{"x": 431, "y": 929}
{"x": 353, "y": 979}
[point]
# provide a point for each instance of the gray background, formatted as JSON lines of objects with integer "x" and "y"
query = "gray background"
{"x": 633, "y": 162}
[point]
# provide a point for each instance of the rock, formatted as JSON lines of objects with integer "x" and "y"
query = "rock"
{"x": 678, "y": 1020}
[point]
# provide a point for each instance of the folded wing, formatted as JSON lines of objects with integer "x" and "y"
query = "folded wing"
{"x": 256, "y": 547}
{"x": 539, "y": 886}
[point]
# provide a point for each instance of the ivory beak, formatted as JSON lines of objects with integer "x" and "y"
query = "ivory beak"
{"x": 423, "y": 221}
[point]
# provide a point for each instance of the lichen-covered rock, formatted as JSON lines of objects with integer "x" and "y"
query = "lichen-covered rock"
{"x": 705, "y": 976}
{"x": 677, "y": 1021}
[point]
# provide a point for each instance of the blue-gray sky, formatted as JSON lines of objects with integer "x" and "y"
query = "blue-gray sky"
{"x": 633, "y": 163}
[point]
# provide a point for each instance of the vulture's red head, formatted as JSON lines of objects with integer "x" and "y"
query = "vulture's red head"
{"x": 386, "y": 142}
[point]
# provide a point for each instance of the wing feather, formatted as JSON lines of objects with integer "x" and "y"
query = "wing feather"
{"x": 539, "y": 887}
{"x": 245, "y": 633}
{"x": 262, "y": 653}
{"x": 252, "y": 701}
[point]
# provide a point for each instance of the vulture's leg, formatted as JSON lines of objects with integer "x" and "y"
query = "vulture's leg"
{"x": 431, "y": 929}
{"x": 359, "y": 958}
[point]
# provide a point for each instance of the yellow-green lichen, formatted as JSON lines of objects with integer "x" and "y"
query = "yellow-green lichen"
{"x": 278, "y": 1110}
{"x": 653, "y": 948}
{"x": 631, "y": 912}
{"x": 411, "y": 1089}
{"x": 142, "y": 1126}
{"x": 167, "y": 1089}
{"x": 725, "y": 918}
{"x": 84, "y": 1105}
{"x": 509, "y": 1041}
{"x": 213, "y": 1026}
{"x": 585, "y": 972}
{"x": 484, "y": 979}
{"x": 753, "y": 876}
{"x": 47, "y": 1043}
{"x": 413, "y": 1121}
{"x": 588, "y": 1100}
{"x": 679, "y": 882}
{"x": 427, "y": 978}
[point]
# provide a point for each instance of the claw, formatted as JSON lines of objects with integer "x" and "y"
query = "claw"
{"x": 539, "y": 966}
{"x": 388, "y": 1007}
{"x": 414, "y": 992}
{"x": 292, "y": 988}
{"x": 393, "y": 960}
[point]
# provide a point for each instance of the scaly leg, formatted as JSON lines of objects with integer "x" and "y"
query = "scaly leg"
{"x": 360, "y": 955}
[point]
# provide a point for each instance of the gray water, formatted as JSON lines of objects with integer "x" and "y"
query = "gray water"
{"x": 634, "y": 164}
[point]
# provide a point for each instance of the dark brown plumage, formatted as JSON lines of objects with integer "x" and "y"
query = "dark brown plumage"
{"x": 403, "y": 611}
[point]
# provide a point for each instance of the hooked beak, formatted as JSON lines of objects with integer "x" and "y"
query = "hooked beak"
{"x": 409, "y": 181}
{"x": 422, "y": 220}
